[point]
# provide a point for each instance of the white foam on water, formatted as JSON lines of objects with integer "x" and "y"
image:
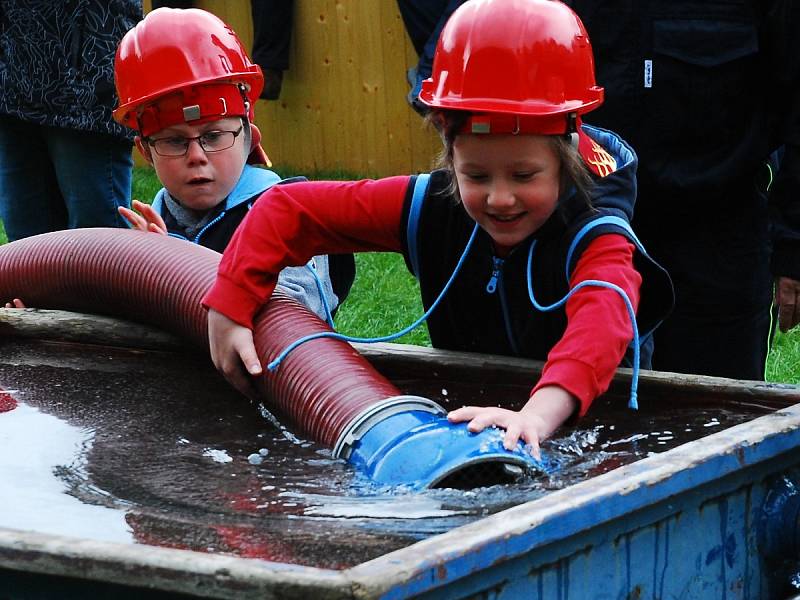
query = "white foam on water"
{"x": 406, "y": 507}
{"x": 220, "y": 456}
{"x": 34, "y": 445}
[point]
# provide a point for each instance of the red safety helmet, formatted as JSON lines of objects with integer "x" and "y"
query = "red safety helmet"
{"x": 524, "y": 66}
{"x": 184, "y": 66}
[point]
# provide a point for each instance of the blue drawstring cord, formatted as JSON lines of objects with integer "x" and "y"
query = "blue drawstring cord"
{"x": 312, "y": 266}
{"x": 633, "y": 403}
{"x": 339, "y": 336}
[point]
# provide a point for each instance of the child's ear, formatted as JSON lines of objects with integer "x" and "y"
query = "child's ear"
{"x": 257, "y": 155}
{"x": 255, "y": 136}
{"x": 143, "y": 149}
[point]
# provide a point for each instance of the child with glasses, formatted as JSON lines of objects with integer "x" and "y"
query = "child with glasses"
{"x": 194, "y": 119}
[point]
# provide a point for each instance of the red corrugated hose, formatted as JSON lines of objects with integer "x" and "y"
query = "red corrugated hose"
{"x": 158, "y": 280}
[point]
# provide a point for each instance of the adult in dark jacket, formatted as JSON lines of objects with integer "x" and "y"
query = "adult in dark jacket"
{"x": 706, "y": 93}
{"x": 64, "y": 162}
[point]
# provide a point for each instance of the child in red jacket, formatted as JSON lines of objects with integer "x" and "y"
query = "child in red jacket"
{"x": 530, "y": 206}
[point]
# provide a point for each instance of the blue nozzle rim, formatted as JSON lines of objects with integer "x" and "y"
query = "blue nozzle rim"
{"x": 376, "y": 413}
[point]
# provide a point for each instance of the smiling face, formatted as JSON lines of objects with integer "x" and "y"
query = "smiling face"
{"x": 199, "y": 180}
{"x": 509, "y": 184}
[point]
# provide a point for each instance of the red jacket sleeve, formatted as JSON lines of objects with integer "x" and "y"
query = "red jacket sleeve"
{"x": 598, "y": 326}
{"x": 291, "y": 223}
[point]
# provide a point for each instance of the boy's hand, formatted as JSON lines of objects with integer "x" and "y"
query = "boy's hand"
{"x": 546, "y": 410}
{"x": 148, "y": 220}
{"x": 15, "y": 303}
{"x": 233, "y": 352}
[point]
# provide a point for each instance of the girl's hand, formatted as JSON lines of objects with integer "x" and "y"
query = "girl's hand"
{"x": 233, "y": 352}
{"x": 16, "y": 303}
{"x": 148, "y": 220}
{"x": 546, "y": 410}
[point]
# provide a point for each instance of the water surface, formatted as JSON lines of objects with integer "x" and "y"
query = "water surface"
{"x": 155, "y": 448}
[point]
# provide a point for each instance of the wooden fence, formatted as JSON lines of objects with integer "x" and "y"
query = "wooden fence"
{"x": 342, "y": 105}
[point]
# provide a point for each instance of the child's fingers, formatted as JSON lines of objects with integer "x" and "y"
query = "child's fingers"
{"x": 483, "y": 420}
{"x": 135, "y": 220}
{"x": 152, "y": 216}
{"x": 517, "y": 432}
{"x": 532, "y": 438}
{"x": 156, "y": 229}
{"x": 145, "y": 209}
{"x": 240, "y": 374}
{"x": 479, "y": 417}
{"x": 465, "y": 413}
{"x": 249, "y": 358}
{"x": 242, "y": 383}
{"x": 512, "y": 436}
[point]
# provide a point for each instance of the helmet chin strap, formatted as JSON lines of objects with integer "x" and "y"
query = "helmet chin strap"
{"x": 573, "y": 139}
{"x": 572, "y": 130}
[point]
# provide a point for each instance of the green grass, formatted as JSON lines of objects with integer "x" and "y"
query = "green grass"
{"x": 145, "y": 184}
{"x": 385, "y": 298}
{"x": 783, "y": 362}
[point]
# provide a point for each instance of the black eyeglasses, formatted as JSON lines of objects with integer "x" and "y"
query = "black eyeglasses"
{"x": 210, "y": 141}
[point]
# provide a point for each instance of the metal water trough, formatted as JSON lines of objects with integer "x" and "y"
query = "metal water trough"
{"x": 714, "y": 518}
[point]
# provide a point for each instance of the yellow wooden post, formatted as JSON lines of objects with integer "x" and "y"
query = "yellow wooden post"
{"x": 342, "y": 104}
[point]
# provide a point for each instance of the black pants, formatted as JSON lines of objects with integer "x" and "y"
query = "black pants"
{"x": 719, "y": 264}
{"x": 272, "y": 29}
{"x": 424, "y": 20}
{"x": 272, "y": 32}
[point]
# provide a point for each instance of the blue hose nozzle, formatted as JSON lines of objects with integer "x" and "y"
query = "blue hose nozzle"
{"x": 407, "y": 440}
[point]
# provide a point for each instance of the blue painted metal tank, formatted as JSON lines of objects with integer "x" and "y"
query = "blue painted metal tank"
{"x": 713, "y": 518}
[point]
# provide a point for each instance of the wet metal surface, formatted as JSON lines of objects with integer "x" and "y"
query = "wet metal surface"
{"x": 154, "y": 448}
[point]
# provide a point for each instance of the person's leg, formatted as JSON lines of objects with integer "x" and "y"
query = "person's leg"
{"x": 272, "y": 36}
{"x": 94, "y": 172}
{"x": 30, "y": 202}
{"x": 420, "y": 18}
{"x": 425, "y": 65}
{"x": 723, "y": 286}
{"x": 424, "y": 19}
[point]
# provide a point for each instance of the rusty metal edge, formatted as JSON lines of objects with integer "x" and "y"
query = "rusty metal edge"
{"x": 57, "y": 325}
{"x": 167, "y": 569}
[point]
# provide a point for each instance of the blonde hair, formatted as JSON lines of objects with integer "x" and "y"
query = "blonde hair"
{"x": 574, "y": 173}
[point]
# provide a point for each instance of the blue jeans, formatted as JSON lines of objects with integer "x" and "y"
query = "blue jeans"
{"x": 53, "y": 178}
